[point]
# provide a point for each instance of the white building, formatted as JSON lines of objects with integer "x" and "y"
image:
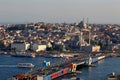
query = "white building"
{"x": 20, "y": 46}
{"x": 39, "y": 47}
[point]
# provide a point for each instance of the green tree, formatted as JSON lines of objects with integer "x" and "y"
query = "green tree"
{"x": 92, "y": 42}
{"x": 101, "y": 44}
{"x": 14, "y": 49}
{"x": 49, "y": 48}
{"x": 60, "y": 48}
{"x": 67, "y": 48}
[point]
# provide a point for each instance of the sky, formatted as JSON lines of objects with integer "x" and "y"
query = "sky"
{"x": 52, "y": 11}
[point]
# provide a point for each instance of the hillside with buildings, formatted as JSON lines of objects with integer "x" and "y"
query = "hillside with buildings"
{"x": 42, "y": 36}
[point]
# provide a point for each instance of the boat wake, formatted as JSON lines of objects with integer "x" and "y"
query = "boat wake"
{"x": 8, "y": 65}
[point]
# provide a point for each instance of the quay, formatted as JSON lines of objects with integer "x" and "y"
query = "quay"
{"x": 56, "y": 70}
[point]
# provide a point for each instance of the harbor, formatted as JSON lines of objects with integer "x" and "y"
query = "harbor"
{"x": 51, "y": 72}
{"x": 38, "y": 62}
{"x": 59, "y": 40}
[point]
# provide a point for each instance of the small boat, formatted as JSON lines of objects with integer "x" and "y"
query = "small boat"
{"x": 113, "y": 76}
{"x": 25, "y": 65}
{"x": 22, "y": 54}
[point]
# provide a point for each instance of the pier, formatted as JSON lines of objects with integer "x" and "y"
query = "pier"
{"x": 61, "y": 68}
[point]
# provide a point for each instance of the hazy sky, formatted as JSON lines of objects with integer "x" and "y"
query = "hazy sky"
{"x": 98, "y": 11}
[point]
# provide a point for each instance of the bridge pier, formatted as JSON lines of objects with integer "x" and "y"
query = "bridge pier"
{"x": 72, "y": 67}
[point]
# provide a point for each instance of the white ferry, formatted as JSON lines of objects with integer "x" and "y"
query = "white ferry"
{"x": 25, "y": 65}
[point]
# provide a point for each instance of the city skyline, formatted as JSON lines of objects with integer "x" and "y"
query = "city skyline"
{"x": 98, "y": 11}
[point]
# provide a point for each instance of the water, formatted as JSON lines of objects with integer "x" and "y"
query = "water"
{"x": 8, "y": 64}
{"x": 102, "y": 69}
{"x": 99, "y": 72}
{"x": 3, "y": 66}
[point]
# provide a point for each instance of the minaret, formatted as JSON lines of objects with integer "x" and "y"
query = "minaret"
{"x": 89, "y": 30}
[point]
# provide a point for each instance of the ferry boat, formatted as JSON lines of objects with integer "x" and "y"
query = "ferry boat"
{"x": 22, "y": 54}
{"x": 25, "y": 65}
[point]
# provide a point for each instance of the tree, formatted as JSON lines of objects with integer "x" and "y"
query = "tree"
{"x": 14, "y": 49}
{"x": 67, "y": 48}
{"x": 49, "y": 48}
{"x": 60, "y": 48}
{"x": 92, "y": 42}
{"x": 101, "y": 44}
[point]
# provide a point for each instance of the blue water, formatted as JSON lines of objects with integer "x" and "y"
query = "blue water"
{"x": 11, "y": 62}
{"x": 99, "y": 72}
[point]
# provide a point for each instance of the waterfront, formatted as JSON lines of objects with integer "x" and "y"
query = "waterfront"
{"x": 102, "y": 69}
{"x": 99, "y": 72}
{"x": 11, "y": 70}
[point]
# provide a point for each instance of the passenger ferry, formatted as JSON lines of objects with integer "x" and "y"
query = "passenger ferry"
{"x": 25, "y": 65}
{"x": 23, "y": 54}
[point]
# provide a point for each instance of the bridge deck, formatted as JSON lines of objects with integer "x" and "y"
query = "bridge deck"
{"x": 45, "y": 71}
{"x": 56, "y": 67}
